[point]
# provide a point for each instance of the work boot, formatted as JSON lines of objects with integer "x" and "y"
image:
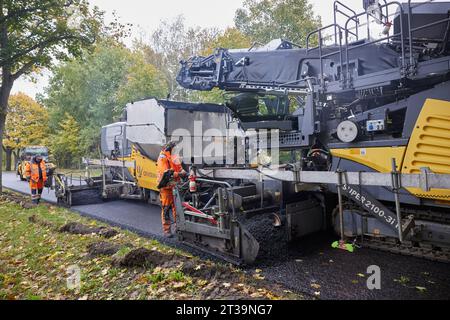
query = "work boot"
{"x": 168, "y": 235}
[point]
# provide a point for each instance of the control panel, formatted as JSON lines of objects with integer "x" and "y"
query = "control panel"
{"x": 375, "y": 125}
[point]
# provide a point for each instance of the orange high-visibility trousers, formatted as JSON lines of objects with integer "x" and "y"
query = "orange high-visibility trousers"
{"x": 168, "y": 212}
{"x": 36, "y": 190}
{"x": 37, "y": 180}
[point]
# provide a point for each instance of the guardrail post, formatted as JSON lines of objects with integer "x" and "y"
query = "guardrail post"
{"x": 395, "y": 188}
{"x": 341, "y": 210}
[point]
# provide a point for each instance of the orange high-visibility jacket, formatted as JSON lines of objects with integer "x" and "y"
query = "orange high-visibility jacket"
{"x": 166, "y": 162}
{"x": 32, "y": 171}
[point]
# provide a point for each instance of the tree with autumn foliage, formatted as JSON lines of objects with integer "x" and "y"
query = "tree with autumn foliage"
{"x": 36, "y": 33}
{"x": 230, "y": 38}
{"x": 95, "y": 89}
{"x": 65, "y": 143}
{"x": 26, "y": 124}
{"x": 265, "y": 20}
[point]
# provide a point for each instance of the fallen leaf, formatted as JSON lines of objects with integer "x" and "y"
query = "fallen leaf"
{"x": 179, "y": 285}
{"x": 258, "y": 276}
{"x": 161, "y": 290}
{"x": 157, "y": 270}
{"x": 315, "y": 285}
{"x": 202, "y": 282}
{"x": 421, "y": 289}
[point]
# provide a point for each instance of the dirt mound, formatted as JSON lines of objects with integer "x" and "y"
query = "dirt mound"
{"x": 107, "y": 233}
{"x": 143, "y": 257}
{"x": 28, "y": 205}
{"x": 102, "y": 248}
{"x": 23, "y": 201}
{"x": 79, "y": 228}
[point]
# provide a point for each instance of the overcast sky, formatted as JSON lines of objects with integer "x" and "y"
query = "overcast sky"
{"x": 146, "y": 15}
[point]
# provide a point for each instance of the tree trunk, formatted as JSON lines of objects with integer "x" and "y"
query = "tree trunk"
{"x": 5, "y": 92}
{"x": 8, "y": 159}
{"x": 16, "y": 157}
{"x": 5, "y": 89}
{"x": 2, "y": 126}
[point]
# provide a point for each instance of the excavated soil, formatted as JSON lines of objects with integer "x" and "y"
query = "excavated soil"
{"x": 102, "y": 248}
{"x": 24, "y": 202}
{"x": 143, "y": 257}
{"x": 79, "y": 228}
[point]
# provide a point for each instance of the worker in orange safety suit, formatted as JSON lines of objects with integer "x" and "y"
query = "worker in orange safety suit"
{"x": 36, "y": 174}
{"x": 168, "y": 163}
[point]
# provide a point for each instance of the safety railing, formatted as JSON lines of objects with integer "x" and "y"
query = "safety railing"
{"x": 336, "y": 10}
{"x": 404, "y": 66}
{"x": 400, "y": 34}
{"x": 319, "y": 32}
{"x": 352, "y": 29}
{"x": 353, "y": 23}
{"x": 338, "y": 31}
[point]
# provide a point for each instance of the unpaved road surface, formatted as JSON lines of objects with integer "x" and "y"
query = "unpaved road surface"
{"x": 310, "y": 266}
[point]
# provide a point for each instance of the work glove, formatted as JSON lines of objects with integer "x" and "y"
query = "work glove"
{"x": 183, "y": 174}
